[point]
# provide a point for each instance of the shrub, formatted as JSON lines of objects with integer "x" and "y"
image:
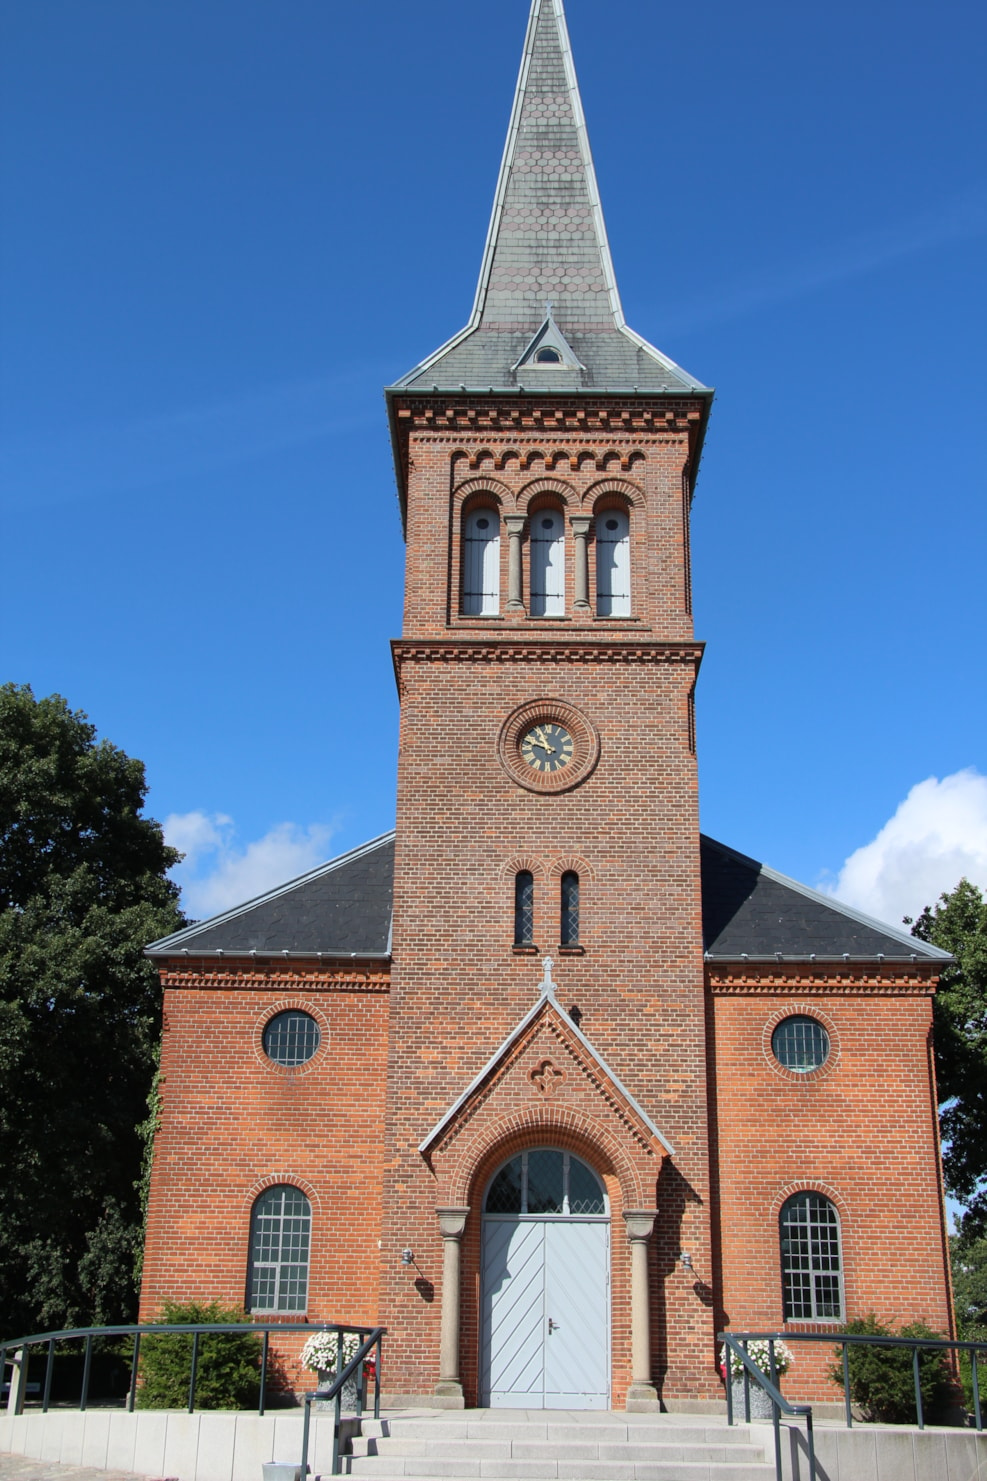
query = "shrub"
{"x": 228, "y": 1371}
{"x": 882, "y": 1380}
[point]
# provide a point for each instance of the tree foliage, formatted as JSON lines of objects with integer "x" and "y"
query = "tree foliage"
{"x": 968, "y": 1259}
{"x": 82, "y": 889}
{"x": 958, "y": 923}
{"x": 882, "y": 1379}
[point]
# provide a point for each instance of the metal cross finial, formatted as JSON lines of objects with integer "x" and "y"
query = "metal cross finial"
{"x": 547, "y": 985}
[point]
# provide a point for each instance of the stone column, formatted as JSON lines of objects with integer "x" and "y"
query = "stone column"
{"x": 642, "y": 1393}
{"x": 515, "y": 526}
{"x": 580, "y": 528}
{"x": 452, "y": 1222}
{"x": 18, "y": 1381}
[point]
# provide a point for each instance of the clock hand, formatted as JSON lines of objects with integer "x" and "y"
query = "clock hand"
{"x": 544, "y": 746}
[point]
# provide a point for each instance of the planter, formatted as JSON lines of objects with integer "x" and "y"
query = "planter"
{"x": 761, "y": 1406}
{"x": 348, "y": 1406}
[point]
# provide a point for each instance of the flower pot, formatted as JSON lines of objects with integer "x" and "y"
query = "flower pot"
{"x": 326, "y": 1376}
{"x": 761, "y": 1406}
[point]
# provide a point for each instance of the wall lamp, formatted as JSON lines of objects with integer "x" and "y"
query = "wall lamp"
{"x": 686, "y": 1260}
{"x": 407, "y": 1257}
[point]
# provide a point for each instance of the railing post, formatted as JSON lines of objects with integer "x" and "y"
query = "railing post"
{"x": 336, "y": 1424}
{"x": 918, "y": 1389}
{"x": 194, "y": 1371}
{"x": 747, "y": 1387}
{"x": 265, "y": 1345}
{"x": 18, "y": 1379}
{"x": 49, "y": 1365}
{"x": 377, "y": 1354}
{"x": 305, "y": 1429}
{"x": 86, "y": 1367}
{"x": 811, "y": 1442}
{"x": 775, "y": 1411}
{"x": 847, "y": 1405}
{"x": 974, "y": 1354}
{"x": 134, "y": 1362}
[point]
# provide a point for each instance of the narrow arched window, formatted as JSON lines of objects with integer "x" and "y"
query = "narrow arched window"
{"x": 547, "y": 564}
{"x": 481, "y": 563}
{"x": 811, "y": 1259}
{"x": 569, "y": 934}
{"x": 280, "y": 1236}
{"x": 613, "y": 564}
{"x": 524, "y": 908}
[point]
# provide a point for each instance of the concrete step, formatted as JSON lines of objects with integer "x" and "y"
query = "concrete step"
{"x": 622, "y": 1427}
{"x": 577, "y": 1471}
{"x": 671, "y": 1448}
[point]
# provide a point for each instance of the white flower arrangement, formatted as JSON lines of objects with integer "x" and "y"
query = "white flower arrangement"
{"x": 322, "y": 1349}
{"x": 759, "y": 1353}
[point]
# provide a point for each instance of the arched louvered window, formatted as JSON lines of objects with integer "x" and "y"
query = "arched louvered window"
{"x": 613, "y": 564}
{"x": 524, "y": 908}
{"x": 481, "y": 563}
{"x": 547, "y": 550}
{"x": 569, "y": 927}
{"x": 280, "y": 1236}
{"x": 811, "y": 1259}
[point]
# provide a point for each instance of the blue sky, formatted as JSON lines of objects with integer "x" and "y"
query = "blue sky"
{"x": 228, "y": 223}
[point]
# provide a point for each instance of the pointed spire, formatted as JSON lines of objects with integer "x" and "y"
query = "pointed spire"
{"x": 547, "y": 241}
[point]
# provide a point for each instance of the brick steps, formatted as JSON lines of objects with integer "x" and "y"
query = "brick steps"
{"x": 532, "y": 1447}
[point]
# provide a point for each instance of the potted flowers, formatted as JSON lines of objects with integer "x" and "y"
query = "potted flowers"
{"x": 759, "y": 1352}
{"x": 321, "y": 1352}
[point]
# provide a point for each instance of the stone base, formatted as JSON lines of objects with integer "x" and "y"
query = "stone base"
{"x": 642, "y": 1398}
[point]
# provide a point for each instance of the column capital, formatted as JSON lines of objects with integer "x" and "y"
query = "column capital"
{"x": 580, "y": 523}
{"x": 640, "y": 1223}
{"x": 452, "y": 1222}
{"x": 514, "y": 523}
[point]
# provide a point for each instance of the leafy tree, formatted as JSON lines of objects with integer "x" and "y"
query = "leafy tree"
{"x": 968, "y": 1258}
{"x": 882, "y": 1379}
{"x": 958, "y": 923}
{"x": 82, "y": 889}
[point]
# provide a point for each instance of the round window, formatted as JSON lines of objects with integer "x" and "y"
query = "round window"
{"x": 291, "y": 1038}
{"x": 800, "y": 1044}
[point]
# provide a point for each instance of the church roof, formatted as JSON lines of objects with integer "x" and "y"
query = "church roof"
{"x": 343, "y": 909}
{"x": 547, "y": 256}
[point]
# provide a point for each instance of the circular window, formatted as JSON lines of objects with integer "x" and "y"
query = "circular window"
{"x": 800, "y": 1044}
{"x": 548, "y": 356}
{"x": 613, "y": 524}
{"x": 483, "y": 523}
{"x": 291, "y": 1038}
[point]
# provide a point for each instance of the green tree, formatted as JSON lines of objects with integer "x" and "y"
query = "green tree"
{"x": 82, "y": 889}
{"x": 968, "y": 1258}
{"x": 958, "y": 923}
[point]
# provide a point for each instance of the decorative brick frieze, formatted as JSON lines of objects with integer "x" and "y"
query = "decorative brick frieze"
{"x": 206, "y": 973}
{"x": 877, "y": 978}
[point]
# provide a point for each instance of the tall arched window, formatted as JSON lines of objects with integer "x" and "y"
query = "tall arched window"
{"x": 481, "y": 563}
{"x": 280, "y": 1236}
{"x": 547, "y": 564}
{"x": 613, "y": 564}
{"x": 811, "y": 1261}
{"x": 569, "y": 925}
{"x": 524, "y": 908}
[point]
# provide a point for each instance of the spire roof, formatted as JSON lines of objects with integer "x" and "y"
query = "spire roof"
{"x": 548, "y": 243}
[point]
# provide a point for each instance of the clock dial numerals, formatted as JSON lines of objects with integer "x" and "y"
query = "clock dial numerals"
{"x": 547, "y": 747}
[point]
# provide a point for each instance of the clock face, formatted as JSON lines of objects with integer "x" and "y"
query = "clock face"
{"x": 547, "y": 747}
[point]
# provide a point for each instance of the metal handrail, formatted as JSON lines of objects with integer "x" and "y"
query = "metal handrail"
{"x": 334, "y": 1391}
{"x": 737, "y": 1345}
{"x": 88, "y": 1335}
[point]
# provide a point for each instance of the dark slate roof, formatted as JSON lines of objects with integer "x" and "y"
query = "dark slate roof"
{"x": 343, "y": 908}
{"x": 547, "y": 244}
{"x": 750, "y": 910}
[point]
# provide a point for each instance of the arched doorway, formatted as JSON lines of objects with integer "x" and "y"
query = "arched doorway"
{"x": 545, "y": 1288}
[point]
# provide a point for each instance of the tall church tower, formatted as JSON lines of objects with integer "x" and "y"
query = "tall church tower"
{"x": 547, "y": 1150}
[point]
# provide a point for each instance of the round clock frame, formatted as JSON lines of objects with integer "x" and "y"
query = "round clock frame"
{"x": 525, "y": 721}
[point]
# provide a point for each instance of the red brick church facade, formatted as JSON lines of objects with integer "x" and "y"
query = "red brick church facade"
{"x": 714, "y": 1102}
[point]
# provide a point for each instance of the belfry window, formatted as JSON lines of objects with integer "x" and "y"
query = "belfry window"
{"x": 547, "y": 564}
{"x": 569, "y": 924}
{"x": 481, "y": 563}
{"x": 524, "y": 908}
{"x": 613, "y": 564}
{"x": 811, "y": 1264}
{"x": 280, "y": 1236}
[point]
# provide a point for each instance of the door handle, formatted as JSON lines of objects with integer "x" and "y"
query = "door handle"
{"x": 552, "y": 1325}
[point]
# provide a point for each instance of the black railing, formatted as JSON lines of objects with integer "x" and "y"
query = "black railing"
{"x": 369, "y": 1339}
{"x": 735, "y": 1345}
{"x": 366, "y": 1357}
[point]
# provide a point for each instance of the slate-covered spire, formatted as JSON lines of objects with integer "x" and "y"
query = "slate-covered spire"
{"x": 547, "y": 244}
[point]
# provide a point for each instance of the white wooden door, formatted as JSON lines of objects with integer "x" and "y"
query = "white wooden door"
{"x": 545, "y": 1339}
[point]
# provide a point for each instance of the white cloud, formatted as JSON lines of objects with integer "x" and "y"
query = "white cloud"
{"x": 937, "y": 836}
{"x": 218, "y": 872}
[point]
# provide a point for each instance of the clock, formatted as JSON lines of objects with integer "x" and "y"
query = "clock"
{"x": 547, "y": 745}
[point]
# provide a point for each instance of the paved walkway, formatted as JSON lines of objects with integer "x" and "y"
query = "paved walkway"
{"x": 23, "y": 1468}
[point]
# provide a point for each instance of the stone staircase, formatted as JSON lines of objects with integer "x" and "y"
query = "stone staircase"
{"x": 558, "y": 1445}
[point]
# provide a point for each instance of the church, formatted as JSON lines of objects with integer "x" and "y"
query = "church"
{"x": 545, "y": 1081}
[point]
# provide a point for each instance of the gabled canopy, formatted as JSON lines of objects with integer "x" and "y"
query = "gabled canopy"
{"x": 547, "y": 242}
